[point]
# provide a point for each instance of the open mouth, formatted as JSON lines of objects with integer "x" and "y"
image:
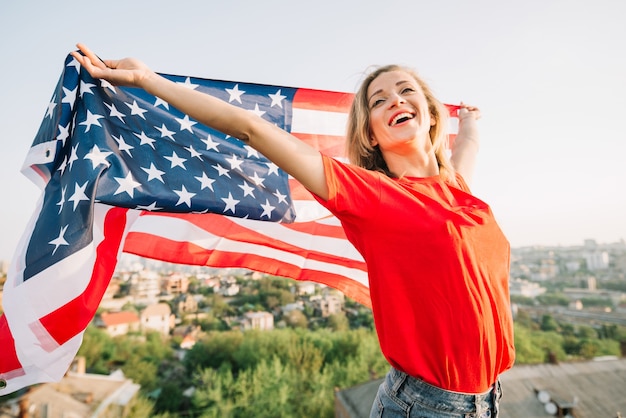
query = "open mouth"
{"x": 400, "y": 118}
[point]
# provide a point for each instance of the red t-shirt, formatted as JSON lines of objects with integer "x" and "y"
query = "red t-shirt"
{"x": 438, "y": 267}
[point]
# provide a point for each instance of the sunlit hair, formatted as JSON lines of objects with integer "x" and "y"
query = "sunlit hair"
{"x": 358, "y": 142}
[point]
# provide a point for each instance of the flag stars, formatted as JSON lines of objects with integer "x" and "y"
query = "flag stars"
{"x": 85, "y": 88}
{"x": 160, "y": 102}
{"x": 73, "y": 156}
{"x": 251, "y": 151}
{"x": 230, "y": 203}
{"x": 165, "y": 133}
{"x": 281, "y": 197}
{"x": 184, "y": 196}
{"x": 79, "y": 194}
{"x": 74, "y": 63}
{"x": 221, "y": 171}
{"x": 154, "y": 173}
{"x": 235, "y": 163}
{"x": 193, "y": 152}
{"x": 114, "y": 113}
{"x": 267, "y": 209}
{"x": 235, "y": 94}
{"x": 277, "y": 99}
{"x": 122, "y": 145}
{"x": 51, "y": 106}
{"x": 145, "y": 139}
{"x": 135, "y": 110}
{"x": 151, "y": 207}
{"x": 247, "y": 189}
{"x": 92, "y": 119}
{"x": 186, "y": 123}
{"x": 61, "y": 202}
{"x": 69, "y": 96}
{"x": 257, "y": 180}
{"x": 188, "y": 84}
{"x": 106, "y": 84}
{"x": 176, "y": 161}
{"x": 127, "y": 185}
{"x": 205, "y": 182}
{"x": 273, "y": 169}
{"x": 60, "y": 240}
{"x": 64, "y": 133}
{"x": 98, "y": 157}
{"x": 210, "y": 144}
{"x": 257, "y": 111}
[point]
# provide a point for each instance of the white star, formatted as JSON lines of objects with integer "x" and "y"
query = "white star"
{"x": 114, "y": 113}
{"x": 79, "y": 194}
{"x": 230, "y": 203}
{"x": 251, "y": 151}
{"x": 221, "y": 170}
{"x": 73, "y": 156}
{"x": 60, "y": 240}
{"x": 74, "y": 63}
{"x": 257, "y": 111}
{"x": 122, "y": 145}
{"x": 247, "y": 189}
{"x": 277, "y": 99}
{"x": 106, "y": 84}
{"x": 154, "y": 173}
{"x": 267, "y": 209}
{"x": 205, "y": 182}
{"x": 85, "y": 88}
{"x": 165, "y": 132}
{"x": 257, "y": 180}
{"x": 193, "y": 152}
{"x": 51, "y": 107}
{"x": 127, "y": 184}
{"x": 62, "y": 201}
{"x": 98, "y": 157}
{"x": 62, "y": 165}
{"x": 235, "y": 94}
{"x": 281, "y": 197}
{"x": 145, "y": 139}
{"x": 176, "y": 160}
{"x": 210, "y": 144}
{"x": 69, "y": 97}
{"x": 188, "y": 84}
{"x": 184, "y": 196}
{"x": 273, "y": 168}
{"x": 91, "y": 120}
{"x": 151, "y": 207}
{"x": 161, "y": 102}
{"x": 136, "y": 110}
{"x": 235, "y": 163}
{"x": 64, "y": 133}
{"x": 185, "y": 123}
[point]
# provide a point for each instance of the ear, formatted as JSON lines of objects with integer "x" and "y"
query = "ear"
{"x": 373, "y": 141}
{"x": 433, "y": 121}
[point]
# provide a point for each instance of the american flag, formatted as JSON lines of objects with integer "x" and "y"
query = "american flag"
{"x": 122, "y": 171}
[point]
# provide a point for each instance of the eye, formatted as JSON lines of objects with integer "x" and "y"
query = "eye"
{"x": 407, "y": 90}
{"x": 376, "y": 102}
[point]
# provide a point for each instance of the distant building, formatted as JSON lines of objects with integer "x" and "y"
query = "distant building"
{"x": 118, "y": 323}
{"x": 145, "y": 286}
{"x": 186, "y": 304}
{"x": 521, "y": 287}
{"x": 77, "y": 395}
{"x": 175, "y": 284}
{"x": 157, "y": 317}
{"x": 597, "y": 260}
{"x": 263, "y": 321}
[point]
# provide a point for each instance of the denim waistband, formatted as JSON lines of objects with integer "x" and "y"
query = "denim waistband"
{"x": 440, "y": 399}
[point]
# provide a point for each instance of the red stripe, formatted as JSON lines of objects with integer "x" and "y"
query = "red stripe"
{"x": 189, "y": 253}
{"x": 10, "y": 366}
{"x": 72, "y": 318}
{"x": 322, "y": 100}
{"x": 331, "y": 145}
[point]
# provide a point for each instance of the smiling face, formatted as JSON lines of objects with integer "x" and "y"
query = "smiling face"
{"x": 399, "y": 112}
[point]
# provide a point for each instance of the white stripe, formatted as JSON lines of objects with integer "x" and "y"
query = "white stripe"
{"x": 319, "y": 122}
{"x": 176, "y": 229}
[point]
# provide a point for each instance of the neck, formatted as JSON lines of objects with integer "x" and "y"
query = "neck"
{"x": 417, "y": 165}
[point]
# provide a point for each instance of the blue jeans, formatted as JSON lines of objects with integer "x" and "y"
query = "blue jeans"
{"x": 401, "y": 395}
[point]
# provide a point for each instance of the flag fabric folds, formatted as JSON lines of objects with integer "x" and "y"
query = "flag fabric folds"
{"x": 122, "y": 171}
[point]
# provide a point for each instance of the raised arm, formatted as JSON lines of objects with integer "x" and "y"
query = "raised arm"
{"x": 466, "y": 143}
{"x": 298, "y": 159}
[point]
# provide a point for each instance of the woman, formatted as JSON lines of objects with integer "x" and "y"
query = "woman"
{"x": 437, "y": 261}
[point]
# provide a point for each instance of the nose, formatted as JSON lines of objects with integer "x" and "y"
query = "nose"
{"x": 397, "y": 99}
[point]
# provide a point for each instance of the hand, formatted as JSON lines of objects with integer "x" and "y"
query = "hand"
{"x": 125, "y": 72}
{"x": 467, "y": 111}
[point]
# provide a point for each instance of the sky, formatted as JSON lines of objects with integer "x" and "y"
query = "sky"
{"x": 548, "y": 76}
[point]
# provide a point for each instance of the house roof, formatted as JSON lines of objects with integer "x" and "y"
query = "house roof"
{"x": 594, "y": 388}
{"x": 117, "y": 318}
{"x": 158, "y": 309}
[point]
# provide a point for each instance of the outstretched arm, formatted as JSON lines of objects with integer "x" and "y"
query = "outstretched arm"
{"x": 298, "y": 159}
{"x": 466, "y": 143}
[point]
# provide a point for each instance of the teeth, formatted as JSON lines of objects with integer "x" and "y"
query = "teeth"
{"x": 400, "y": 116}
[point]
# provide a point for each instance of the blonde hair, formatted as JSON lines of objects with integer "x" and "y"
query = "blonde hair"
{"x": 359, "y": 149}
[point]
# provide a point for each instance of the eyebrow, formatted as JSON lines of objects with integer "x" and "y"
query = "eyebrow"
{"x": 380, "y": 90}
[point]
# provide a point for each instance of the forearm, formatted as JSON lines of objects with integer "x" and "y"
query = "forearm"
{"x": 465, "y": 148}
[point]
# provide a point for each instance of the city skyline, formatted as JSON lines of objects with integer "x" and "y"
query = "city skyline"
{"x": 546, "y": 76}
